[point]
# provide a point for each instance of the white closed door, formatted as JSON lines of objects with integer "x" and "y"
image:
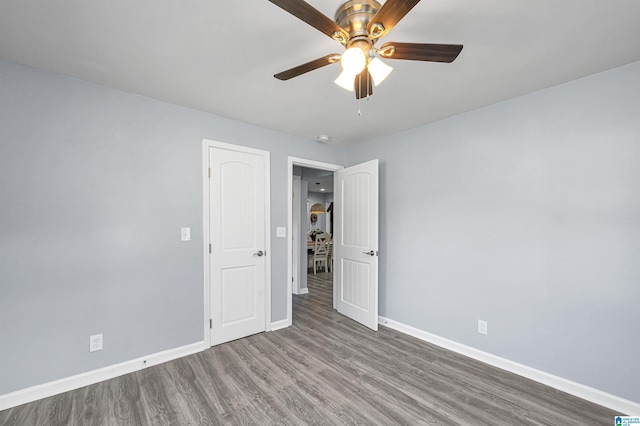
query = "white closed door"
{"x": 356, "y": 243}
{"x": 237, "y": 237}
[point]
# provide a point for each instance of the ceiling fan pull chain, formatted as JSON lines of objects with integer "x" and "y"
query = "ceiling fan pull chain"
{"x": 359, "y": 111}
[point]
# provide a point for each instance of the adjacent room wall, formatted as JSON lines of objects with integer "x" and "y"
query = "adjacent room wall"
{"x": 322, "y": 223}
{"x": 525, "y": 214}
{"x": 95, "y": 185}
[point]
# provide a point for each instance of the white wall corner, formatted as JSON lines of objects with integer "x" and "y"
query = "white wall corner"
{"x": 616, "y": 403}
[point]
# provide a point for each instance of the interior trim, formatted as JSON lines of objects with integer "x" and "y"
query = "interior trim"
{"x": 295, "y": 161}
{"x": 279, "y": 325}
{"x": 616, "y": 403}
{"x": 66, "y": 384}
{"x": 206, "y": 145}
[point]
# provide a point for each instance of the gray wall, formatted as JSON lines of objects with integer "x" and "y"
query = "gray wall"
{"x": 525, "y": 214}
{"x": 94, "y": 187}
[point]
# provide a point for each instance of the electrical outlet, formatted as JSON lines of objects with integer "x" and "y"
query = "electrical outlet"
{"x": 482, "y": 327}
{"x": 95, "y": 343}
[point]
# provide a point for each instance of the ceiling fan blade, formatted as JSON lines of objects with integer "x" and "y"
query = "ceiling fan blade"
{"x": 421, "y": 52}
{"x": 309, "y": 66}
{"x": 307, "y": 13}
{"x": 390, "y": 14}
{"x": 364, "y": 84}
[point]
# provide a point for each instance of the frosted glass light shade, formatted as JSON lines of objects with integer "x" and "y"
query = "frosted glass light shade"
{"x": 346, "y": 80}
{"x": 379, "y": 70}
{"x": 353, "y": 60}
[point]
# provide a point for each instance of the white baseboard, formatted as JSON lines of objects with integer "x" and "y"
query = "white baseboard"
{"x": 303, "y": 291}
{"x": 596, "y": 396}
{"x": 56, "y": 387}
{"x": 278, "y": 325}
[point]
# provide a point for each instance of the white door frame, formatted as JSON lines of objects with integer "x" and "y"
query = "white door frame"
{"x": 206, "y": 144}
{"x": 302, "y": 162}
{"x": 295, "y": 235}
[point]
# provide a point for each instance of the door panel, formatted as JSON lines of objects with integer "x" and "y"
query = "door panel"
{"x": 237, "y": 286}
{"x": 357, "y": 292}
{"x": 237, "y": 205}
{"x": 237, "y": 235}
{"x": 356, "y": 242}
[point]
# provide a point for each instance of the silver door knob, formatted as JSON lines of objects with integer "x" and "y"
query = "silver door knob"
{"x": 370, "y": 253}
{"x": 259, "y": 253}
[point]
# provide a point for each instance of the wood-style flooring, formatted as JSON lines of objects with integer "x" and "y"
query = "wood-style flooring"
{"x": 324, "y": 370}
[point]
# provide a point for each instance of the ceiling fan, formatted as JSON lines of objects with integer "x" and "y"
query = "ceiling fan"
{"x": 358, "y": 25}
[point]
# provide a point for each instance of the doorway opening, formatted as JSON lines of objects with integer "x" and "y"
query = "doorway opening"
{"x": 310, "y": 183}
{"x": 355, "y": 240}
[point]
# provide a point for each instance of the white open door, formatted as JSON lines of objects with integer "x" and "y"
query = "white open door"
{"x": 356, "y": 243}
{"x": 237, "y": 233}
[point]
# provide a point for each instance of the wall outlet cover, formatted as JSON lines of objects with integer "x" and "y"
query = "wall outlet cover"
{"x": 95, "y": 343}
{"x": 482, "y": 327}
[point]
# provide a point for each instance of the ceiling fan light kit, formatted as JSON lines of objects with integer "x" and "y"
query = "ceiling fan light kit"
{"x": 357, "y": 26}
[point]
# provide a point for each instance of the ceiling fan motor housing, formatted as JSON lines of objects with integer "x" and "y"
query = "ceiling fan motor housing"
{"x": 354, "y": 16}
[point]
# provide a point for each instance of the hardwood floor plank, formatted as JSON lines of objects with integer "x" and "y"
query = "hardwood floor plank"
{"x": 49, "y": 411}
{"x": 189, "y": 395}
{"x": 324, "y": 370}
{"x": 126, "y": 395}
{"x": 158, "y": 400}
{"x": 304, "y": 381}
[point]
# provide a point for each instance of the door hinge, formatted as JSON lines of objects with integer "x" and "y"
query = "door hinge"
{"x": 209, "y": 171}
{"x": 210, "y": 323}
{"x": 209, "y": 248}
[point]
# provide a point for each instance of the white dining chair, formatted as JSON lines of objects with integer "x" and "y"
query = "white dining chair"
{"x": 321, "y": 253}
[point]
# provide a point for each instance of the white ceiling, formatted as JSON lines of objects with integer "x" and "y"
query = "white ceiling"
{"x": 322, "y": 184}
{"x": 220, "y": 56}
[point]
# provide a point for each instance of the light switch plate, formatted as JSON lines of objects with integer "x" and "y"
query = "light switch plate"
{"x": 185, "y": 234}
{"x": 281, "y": 232}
